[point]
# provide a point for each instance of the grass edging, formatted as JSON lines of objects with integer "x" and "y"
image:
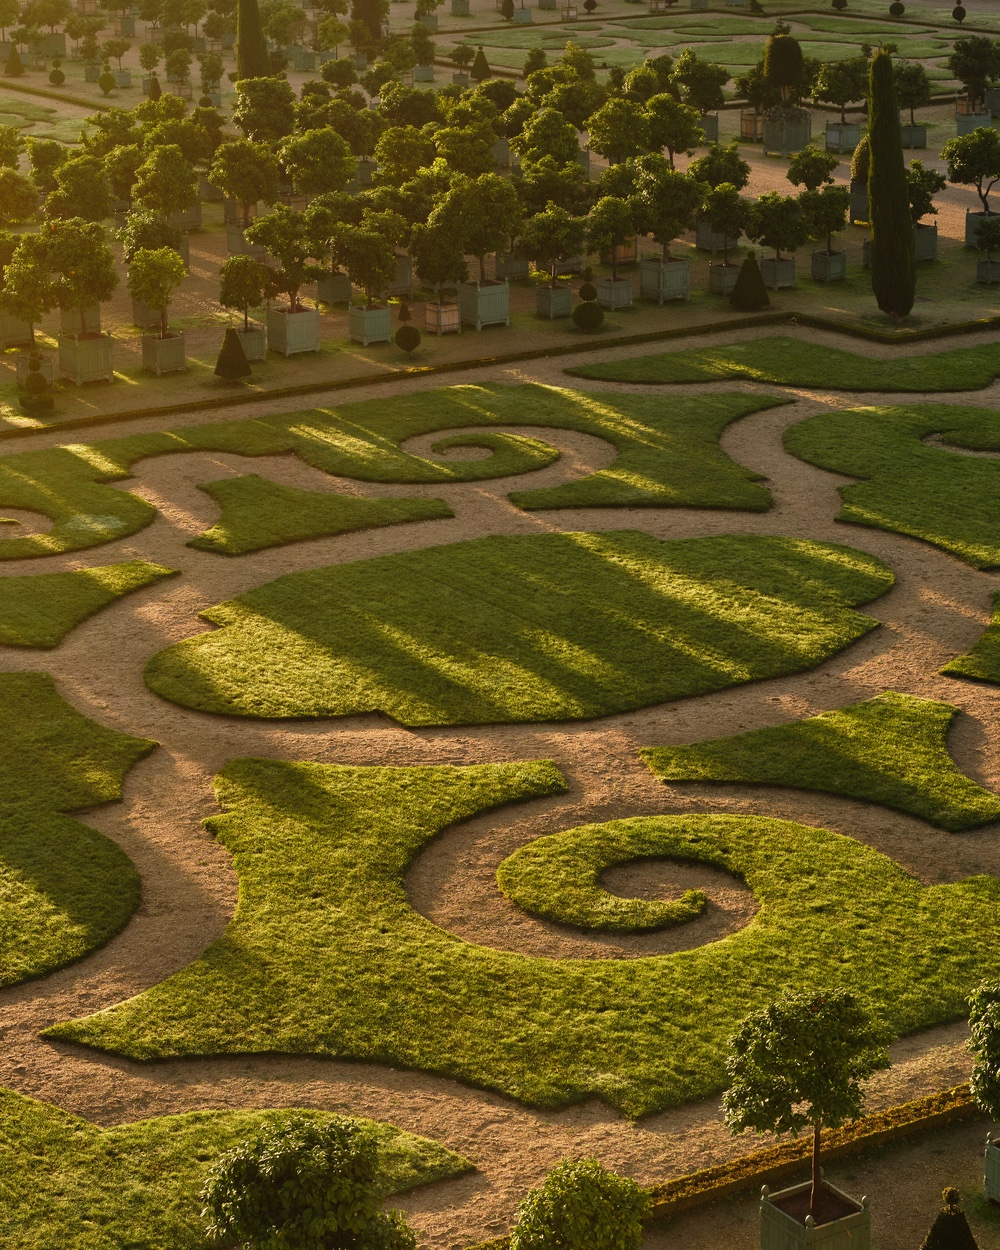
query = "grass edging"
{"x": 785, "y": 1161}
{"x": 884, "y": 337}
{"x": 62, "y": 96}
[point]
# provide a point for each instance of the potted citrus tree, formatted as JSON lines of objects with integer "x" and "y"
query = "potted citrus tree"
{"x": 166, "y": 182}
{"x": 726, "y": 213}
{"x": 370, "y": 261}
{"x": 549, "y": 237}
{"x": 988, "y": 241}
{"x": 243, "y": 285}
{"x": 974, "y": 161}
{"x": 984, "y": 1042}
{"x": 719, "y": 165}
{"x": 20, "y": 302}
{"x": 825, "y": 212}
{"x": 83, "y": 268}
{"x": 913, "y": 91}
{"x": 153, "y": 276}
{"x": 610, "y": 223}
{"x": 778, "y": 221}
{"x": 924, "y": 184}
{"x": 484, "y": 214}
{"x": 799, "y": 1064}
{"x": 248, "y": 174}
{"x": 286, "y": 237}
{"x": 440, "y": 263}
{"x": 145, "y": 229}
{"x": 666, "y": 204}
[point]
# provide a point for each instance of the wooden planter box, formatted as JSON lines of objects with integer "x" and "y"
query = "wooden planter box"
{"x": 237, "y": 245}
{"x": 124, "y": 26}
{"x": 548, "y": 5}
{"x": 662, "y": 280}
{"x": 501, "y": 152}
{"x": 143, "y": 317}
{"x": 69, "y": 320}
{"x": 366, "y": 169}
{"x": 991, "y": 1188}
{"x": 161, "y": 356}
{"x": 187, "y": 218}
{"x": 402, "y": 279}
{"x": 972, "y": 223}
{"x": 614, "y": 293}
{"x": 722, "y": 278}
{"x": 699, "y": 4}
{"x": 443, "y": 318}
{"x": 423, "y": 73}
{"x": 522, "y": 17}
{"x": 291, "y": 333}
{"x": 208, "y": 192}
{"x": 925, "y": 241}
{"x": 430, "y": 20}
{"x": 123, "y": 77}
{"x": 709, "y": 122}
{"x": 183, "y": 250}
{"x": 460, "y": 78}
{"x": 48, "y": 369}
{"x": 583, "y": 158}
{"x": 913, "y": 136}
{"x": 254, "y": 342}
{"x": 572, "y": 264}
{"x": 781, "y": 1231}
{"x": 859, "y": 203}
{"x": 626, "y": 253}
{"x": 708, "y": 240}
{"x": 14, "y": 332}
{"x": 966, "y": 123}
{"x": 553, "y": 301}
{"x": 842, "y": 136}
{"x": 829, "y": 266}
{"x": 91, "y": 73}
{"x": 460, "y": 8}
{"x": 778, "y": 274}
{"x": 334, "y": 288}
{"x": 751, "y": 126}
{"x": 182, "y": 89}
{"x": 786, "y": 134}
{"x": 988, "y": 272}
{"x": 487, "y": 305}
{"x": 511, "y": 266}
{"x": 369, "y": 325}
{"x": 85, "y": 359}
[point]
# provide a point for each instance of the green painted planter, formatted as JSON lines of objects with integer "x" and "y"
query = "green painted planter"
{"x": 22, "y": 370}
{"x": 69, "y": 320}
{"x": 859, "y": 203}
{"x": 85, "y": 359}
{"x": 614, "y": 293}
{"x": 972, "y": 223}
{"x": 552, "y": 302}
{"x": 292, "y": 333}
{"x": 829, "y": 266}
{"x": 369, "y": 325}
{"x": 664, "y": 281}
{"x": 842, "y": 136}
{"x": 14, "y": 332}
{"x": 988, "y": 272}
{"x": 334, "y": 288}
{"x": 913, "y": 136}
{"x": 402, "y": 279}
{"x": 778, "y": 274}
{"x": 781, "y": 1231}
{"x": 708, "y": 240}
{"x": 511, "y": 266}
{"x": 254, "y": 342}
{"x": 161, "y": 356}
{"x": 709, "y": 122}
{"x": 786, "y": 133}
{"x": 460, "y": 8}
{"x": 423, "y": 73}
{"x": 186, "y": 218}
{"x": 484, "y": 305}
{"x": 991, "y": 1189}
{"x": 722, "y": 278}
{"x": 966, "y": 123}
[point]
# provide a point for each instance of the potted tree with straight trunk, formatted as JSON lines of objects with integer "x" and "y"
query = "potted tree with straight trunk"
{"x": 145, "y": 229}
{"x": 286, "y": 237}
{"x": 248, "y": 174}
{"x": 549, "y": 237}
{"x": 984, "y": 1042}
{"x": 243, "y": 285}
{"x": 787, "y": 127}
{"x": 440, "y": 263}
{"x": 825, "y": 212}
{"x": 16, "y": 328}
{"x": 327, "y": 213}
{"x": 726, "y": 213}
{"x": 153, "y": 276}
{"x": 988, "y": 241}
{"x": 894, "y": 276}
{"x": 799, "y": 1064}
{"x": 778, "y": 221}
{"x": 665, "y": 204}
{"x": 370, "y": 260}
{"x": 83, "y": 269}
{"x": 610, "y": 223}
{"x": 718, "y": 165}
{"x": 974, "y": 161}
{"x": 484, "y": 213}
{"x": 913, "y": 91}
{"x": 166, "y": 182}
{"x": 923, "y": 185}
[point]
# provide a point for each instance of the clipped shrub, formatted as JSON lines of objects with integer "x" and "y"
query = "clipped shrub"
{"x": 581, "y": 1206}
{"x": 232, "y": 364}
{"x": 407, "y": 339}
{"x": 588, "y": 316}
{"x": 588, "y": 291}
{"x": 950, "y": 1230}
{"x": 749, "y": 294}
{"x": 107, "y": 81}
{"x": 56, "y": 77}
{"x": 860, "y": 161}
{"x": 37, "y": 398}
{"x": 14, "y": 66}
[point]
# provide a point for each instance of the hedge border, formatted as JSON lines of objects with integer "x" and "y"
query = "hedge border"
{"x": 872, "y": 335}
{"x": 784, "y": 1161}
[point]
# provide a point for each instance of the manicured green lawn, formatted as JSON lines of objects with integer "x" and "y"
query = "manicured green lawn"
{"x": 40, "y": 609}
{"x": 912, "y": 487}
{"x": 325, "y": 954}
{"x": 790, "y": 362}
{"x": 257, "y": 513}
{"x": 558, "y": 878}
{"x": 666, "y": 456}
{"x": 524, "y": 628}
{"x": 982, "y": 660}
{"x": 890, "y": 750}
{"x": 68, "y": 1183}
{"x": 64, "y": 888}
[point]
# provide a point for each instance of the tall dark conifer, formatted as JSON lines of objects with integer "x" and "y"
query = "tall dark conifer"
{"x": 252, "y": 57}
{"x": 894, "y": 270}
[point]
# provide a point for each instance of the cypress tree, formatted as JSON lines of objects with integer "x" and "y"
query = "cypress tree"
{"x": 894, "y": 270}
{"x": 252, "y": 57}
{"x": 232, "y": 364}
{"x": 749, "y": 294}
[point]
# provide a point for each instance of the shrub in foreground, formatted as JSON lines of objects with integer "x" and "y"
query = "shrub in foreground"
{"x": 581, "y": 1206}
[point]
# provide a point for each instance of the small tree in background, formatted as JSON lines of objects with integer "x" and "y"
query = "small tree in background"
{"x": 18, "y": 198}
{"x": 725, "y": 212}
{"x": 784, "y": 67}
{"x": 44, "y": 158}
{"x": 369, "y": 258}
{"x": 610, "y": 223}
{"x": 721, "y": 164}
{"x": 810, "y": 168}
{"x": 82, "y": 190}
{"x": 984, "y": 1008}
{"x": 666, "y": 202}
{"x": 551, "y": 236}
{"x": 247, "y": 172}
{"x": 27, "y": 291}
{"x": 153, "y": 276}
{"x": 285, "y": 235}
{"x": 437, "y": 256}
{"x": 243, "y": 285}
{"x": 974, "y": 161}
{"x": 893, "y": 266}
{"x": 264, "y": 109}
{"x": 826, "y": 212}
{"x": 699, "y": 83}
{"x": 619, "y": 129}
{"x": 302, "y": 1183}
{"x": 232, "y": 364}
{"x": 107, "y": 81}
{"x": 166, "y": 182}
{"x": 778, "y": 221}
{"x": 581, "y": 1206}
{"x": 975, "y": 62}
{"x": 672, "y": 125}
{"x": 913, "y": 87}
{"x": 950, "y": 1230}
{"x": 923, "y": 184}
{"x": 317, "y": 161}
{"x": 799, "y": 1063}
{"x": 484, "y": 212}
{"x": 11, "y": 146}
{"x": 144, "y": 228}
{"x": 840, "y": 82}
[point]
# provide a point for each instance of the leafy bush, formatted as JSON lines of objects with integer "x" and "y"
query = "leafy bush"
{"x": 581, "y": 1206}
{"x": 588, "y": 316}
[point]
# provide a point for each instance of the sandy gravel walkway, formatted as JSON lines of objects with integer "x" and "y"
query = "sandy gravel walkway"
{"x": 936, "y": 610}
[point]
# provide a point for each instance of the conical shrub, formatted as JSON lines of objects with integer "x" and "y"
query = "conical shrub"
{"x": 950, "y": 1231}
{"x": 232, "y": 364}
{"x": 750, "y": 294}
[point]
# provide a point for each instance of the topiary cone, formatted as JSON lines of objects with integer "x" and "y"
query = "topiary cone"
{"x": 950, "y": 1231}
{"x": 750, "y": 294}
{"x": 232, "y": 364}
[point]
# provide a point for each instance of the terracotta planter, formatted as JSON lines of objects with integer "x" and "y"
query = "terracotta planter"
{"x": 334, "y": 288}
{"x": 782, "y": 1229}
{"x": 614, "y": 293}
{"x": 161, "y": 356}
{"x": 842, "y": 136}
{"x": 484, "y": 305}
{"x": 369, "y": 325}
{"x": 69, "y": 320}
{"x": 14, "y": 332}
{"x": 443, "y": 318}
{"x": 829, "y": 266}
{"x": 664, "y": 280}
{"x": 85, "y": 359}
{"x": 778, "y": 274}
{"x": 553, "y": 301}
{"x": 292, "y": 333}
{"x": 722, "y": 278}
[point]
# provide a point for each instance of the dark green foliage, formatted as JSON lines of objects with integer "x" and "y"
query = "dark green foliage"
{"x": 588, "y": 291}
{"x": 303, "y": 1184}
{"x": 232, "y": 364}
{"x": 155, "y": 90}
{"x": 581, "y": 1206}
{"x": 480, "y": 71}
{"x": 588, "y": 316}
{"x": 889, "y": 750}
{"x": 323, "y": 642}
{"x": 257, "y": 514}
{"x": 14, "y": 66}
{"x": 783, "y": 65}
{"x": 407, "y": 339}
{"x": 749, "y": 294}
{"x": 37, "y": 399}
{"x": 984, "y": 1042}
{"x": 950, "y": 1230}
{"x": 252, "y": 58}
{"x": 893, "y": 267}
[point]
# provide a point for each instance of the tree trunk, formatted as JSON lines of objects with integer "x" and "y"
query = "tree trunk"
{"x": 163, "y": 323}
{"x": 816, "y": 1175}
{"x": 83, "y": 322}
{"x": 246, "y": 318}
{"x": 482, "y": 270}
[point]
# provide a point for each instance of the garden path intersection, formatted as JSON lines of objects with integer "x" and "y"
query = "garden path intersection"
{"x": 935, "y": 611}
